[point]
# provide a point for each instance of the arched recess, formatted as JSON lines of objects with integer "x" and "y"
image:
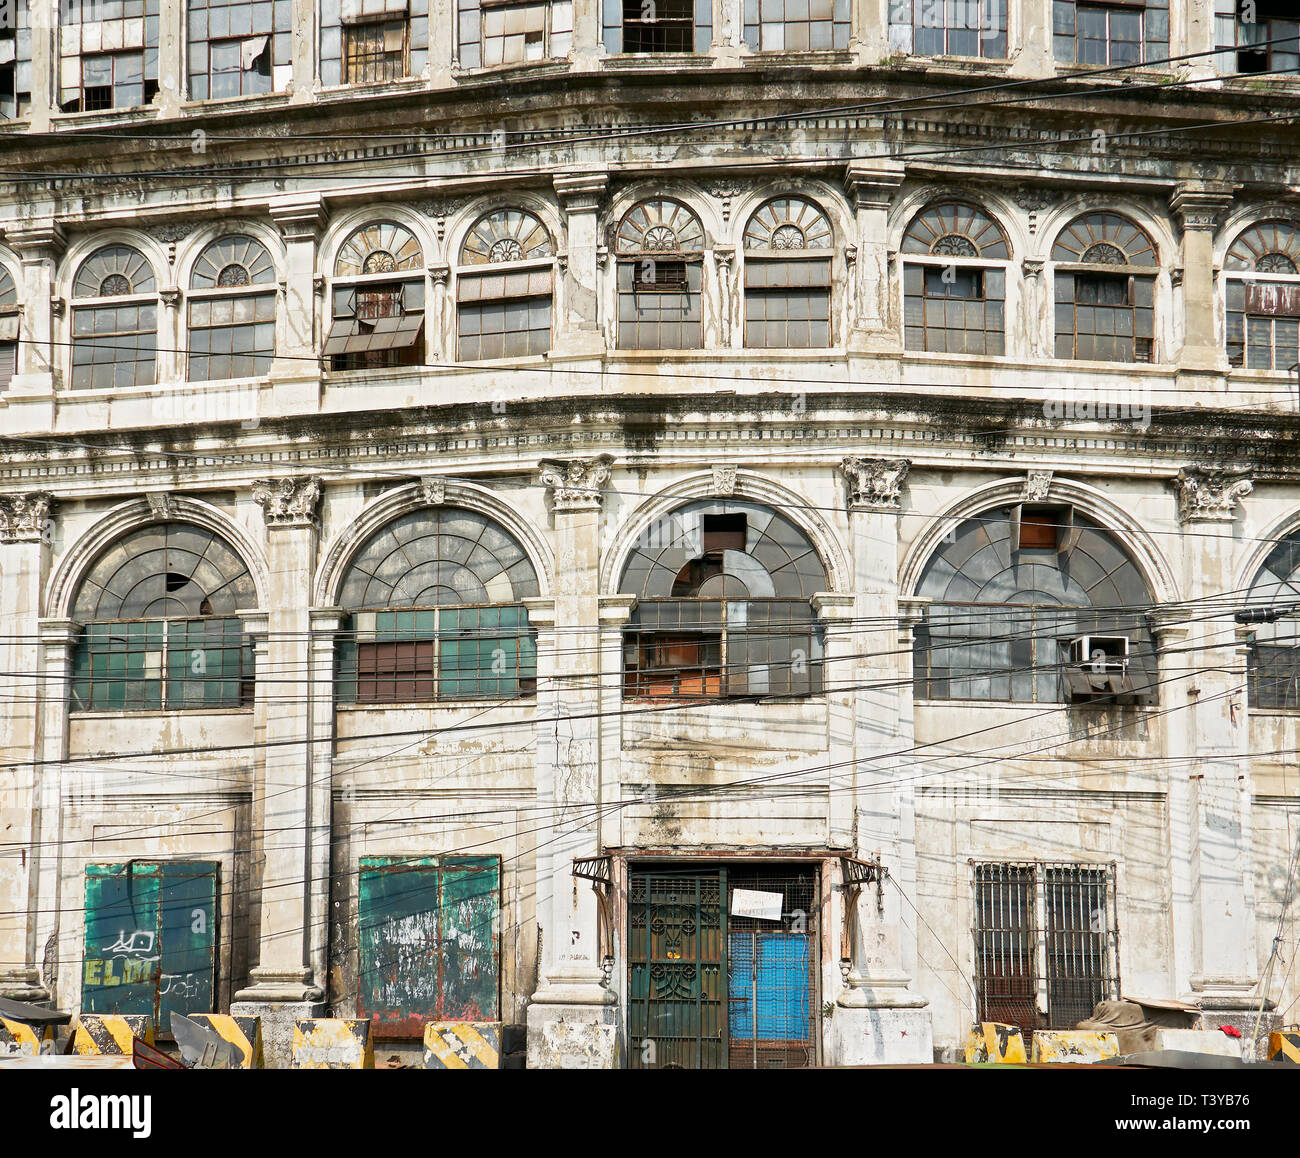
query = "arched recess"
{"x": 1271, "y": 580}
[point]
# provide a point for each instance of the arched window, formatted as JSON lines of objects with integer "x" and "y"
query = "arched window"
{"x": 159, "y": 611}
{"x": 788, "y": 275}
{"x": 1262, "y": 280}
{"x": 1034, "y": 604}
{"x": 8, "y": 328}
{"x": 504, "y": 287}
{"x": 232, "y": 322}
{"x": 115, "y": 321}
{"x": 955, "y": 281}
{"x": 724, "y": 607}
{"x": 660, "y": 247}
{"x": 1273, "y": 663}
{"x": 378, "y": 300}
{"x": 436, "y": 602}
{"x": 1105, "y": 290}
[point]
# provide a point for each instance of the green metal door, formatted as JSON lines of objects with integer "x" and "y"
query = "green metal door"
{"x": 677, "y": 1002}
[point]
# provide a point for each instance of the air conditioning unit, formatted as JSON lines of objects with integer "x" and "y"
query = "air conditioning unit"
{"x": 1098, "y": 670}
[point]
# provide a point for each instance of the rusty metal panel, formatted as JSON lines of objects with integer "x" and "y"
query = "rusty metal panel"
{"x": 1279, "y": 301}
{"x": 332, "y": 1043}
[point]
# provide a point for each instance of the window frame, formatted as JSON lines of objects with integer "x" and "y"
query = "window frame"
{"x": 902, "y": 25}
{"x": 254, "y": 291}
{"x": 400, "y": 279}
{"x": 348, "y": 60}
{"x": 89, "y": 303}
{"x": 477, "y": 274}
{"x": 838, "y": 23}
{"x": 615, "y": 25}
{"x": 1232, "y": 46}
{"x": 1152, "y": 46}
{"x": 767, "y": 258}
{"x": 1240, "y": 276}
{"x": 629, "y": 266}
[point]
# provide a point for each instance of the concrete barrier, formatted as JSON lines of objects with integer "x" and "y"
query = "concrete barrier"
{"x": 110, "y": 1033}
{"x": 18, "y": 1039}
{"x": 1284, "y": 1046}
{"x": 1073, "y": 1046}
{"x": 462, "y": 1045}
{"x": 991, "y": 1041}
{"x": 332, "y": 1043}
{"x": 1211, "y": 1041}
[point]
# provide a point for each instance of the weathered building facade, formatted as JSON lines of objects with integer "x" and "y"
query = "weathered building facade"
{"x": 723, "y": 523}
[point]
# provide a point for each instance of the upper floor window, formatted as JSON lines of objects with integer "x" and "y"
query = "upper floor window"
{"x": 503, "y": 289}
{"x": 1110, "y": 32}
{"x": 494, "y": 32}
{"x": 1105, "y": 278}
{"x": 239, "y": 49}
{"x": 15, "y": 62}
{"x": 1262, "y": 281}
{"x": 159, "y": 610}
{"x": 1021, "y": 600}
{"x": 1257, "y": 36}
{"x": 8, "y": 328}
{"x": 724, "y": 605}
{"x": 660, "y": 247}
{"x": 1273, "y": 662}
{"x": 378, "y": 300}
{"x": 114, "y": 321}
{"x": 788, "y": 275}
{"x": 797, "y": 25}
{"x": 660, "y": 26}
{"x": 232, "y": 323}
{"x": 955, "y": 285}
{"x": 373, "y": 41}
{"x": 108, "y": 54}
{"x": 948, "y": 27}
{"x": 436, "y": 612}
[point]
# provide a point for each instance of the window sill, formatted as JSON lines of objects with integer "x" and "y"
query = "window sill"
{"x": 138, "y": 713}
{"x": 434, "y": 705}
{"x": 1038, "y": 706}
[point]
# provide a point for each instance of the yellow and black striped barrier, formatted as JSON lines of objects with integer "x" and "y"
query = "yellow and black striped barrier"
{"x": 110, "y": 1033}
{"x": 462, "y": 1045}
{"x": 332, "y": 1043}
{"x": 1284, "y": 1046}
{"x": 244, "y": 1033}
{"x": 18, "y": 1039}
{"x": 991, "y": 1041}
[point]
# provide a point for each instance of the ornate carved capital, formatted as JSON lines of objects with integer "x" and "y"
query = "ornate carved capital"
{"x": 875, "y": 484}
{"x": 440, "y": 274}
{"x": 25, "y": 518}
{"x": 288, "y": 502}
{"x": 1037, "y": 484}
{"x": 724, "y": 480}
{"x": 576, "y": 484}
{"x": 1033, "y": 267}
{"x": 1200, "y": 206}
{"x": 1210, "y": 494}
{"x": 724, "y": 255}
{"x": 171, "y": 296}
{"x": 433, "y": 491}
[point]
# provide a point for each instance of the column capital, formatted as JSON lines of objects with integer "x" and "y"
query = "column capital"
{"x": 875, "y": 484}
{"x": 580, "y": 192}
{"x": 831, "y": 605}
{"x": 440, "y": 273}
{"x": 1201, "y": 204}
{"x": 873, "y": 184}
{"x": 24, "y": 518}
{"x": 576, "y": 483}
{"x": 289, "y": 502}
{"x": 1210, "y": 494}
{"x": 299, "y": 216}
{"x": 37, "y": 240}
{"x": 615, "y": 611}
{"x": 541, "y": 612}
{"x": 326, "y": 620}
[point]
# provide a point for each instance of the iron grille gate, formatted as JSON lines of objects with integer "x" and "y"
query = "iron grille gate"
{"x": 1046, "y": 942}
{"x": 707, "y": 990}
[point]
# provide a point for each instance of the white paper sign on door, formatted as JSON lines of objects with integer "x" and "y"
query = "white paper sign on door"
{"x": 756, "y": 905}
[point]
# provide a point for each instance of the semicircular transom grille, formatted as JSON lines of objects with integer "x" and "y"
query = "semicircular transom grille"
{"x": 788, "y": 223}
{"x": 660, "y": 227}
{"x": 235, "y": 260}
{"x": 1270, "y": 247}
{"x": 942, "y": 229}
{"x": 506, "y": 235}
{"x": 114, "y": 271}
{"x": 165, "y": 571}
{"x": 438, "y": 557}
{"x": 1101, "y": 233}
{"x": 382, "y": 247}
{"x": 8, "y": 292}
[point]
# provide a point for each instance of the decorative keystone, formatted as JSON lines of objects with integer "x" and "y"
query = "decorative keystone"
{"x": 724, "y": 480}
{"x": 1037, "y": 484}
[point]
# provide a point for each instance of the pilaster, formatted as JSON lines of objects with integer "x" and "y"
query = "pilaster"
{"x": 578, "y": 330}
{"x": 1200, "y": 207}
{"x": 296, "y": 369}
{"x": 872, "y": 186}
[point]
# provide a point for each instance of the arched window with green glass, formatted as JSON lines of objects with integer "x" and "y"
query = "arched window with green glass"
{"x": 159, "y": 611}
{"x": 435, "y": 612}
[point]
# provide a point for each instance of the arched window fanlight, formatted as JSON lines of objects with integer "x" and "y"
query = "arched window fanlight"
{"x": 660, "y": 275}
{"x": 436, "y": 601}
{"x": 505, "y": 312}
{"x": 1273, "y": 663}
{"x": 161, "y": 629}
{"x": 377, "y": 299}
{"x": 1270, "y": 247}
{"x": 1020, "y": 598}
{"x": 8, "y": 328}
{"x": 788, "y": 275}
{"x": 954, "y": 299}
{"x": 1105, "y": 292}
{"x": 115, "y": 340}
{"x": 231, "y": 330}
{"x": 788, "y": 223}
{"x": 1263, "y": 297}
{"x": 723, "y": 590}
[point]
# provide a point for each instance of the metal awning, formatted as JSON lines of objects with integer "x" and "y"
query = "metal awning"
{"x": 353, "y": 336}
{"x": 32, "y": 1014}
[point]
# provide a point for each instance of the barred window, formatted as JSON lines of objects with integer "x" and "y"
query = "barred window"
{"x": 8, "y": 328}
{"x": 724, "y": 605}
{"x": 1046, "y": 942}
{"x": 231, "y": 324}
{"x": 1273, "y": 661}
{"x": 1104, "y": 282}
{"x": 493, "y": 32}
{"x": 1114, "y": 32}
{"x": 373, "y": 41}
{"x": 1255, "y": 36}
{"x": 161, "y": 629}
{"x": 378, "y": 300}
{"x": 1262, "y": 285}
{"x": 1012, "y": 591}
{"x": 788, "y": 275}
{"x": 664, "y": 26}
{"x": 239, "y": 49}
{"x": 660, "y": 247}
{"x": 436, "y": 612}
{"x": 115, "y": 321}
{"x": 797, "y": 25}
{"x": 504, "y": 287}
{"x": 95, "y": 76}
{"x": 954, "y": 288}
{"x": 949, "y": 27}
{"x": 16, "y": 63}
